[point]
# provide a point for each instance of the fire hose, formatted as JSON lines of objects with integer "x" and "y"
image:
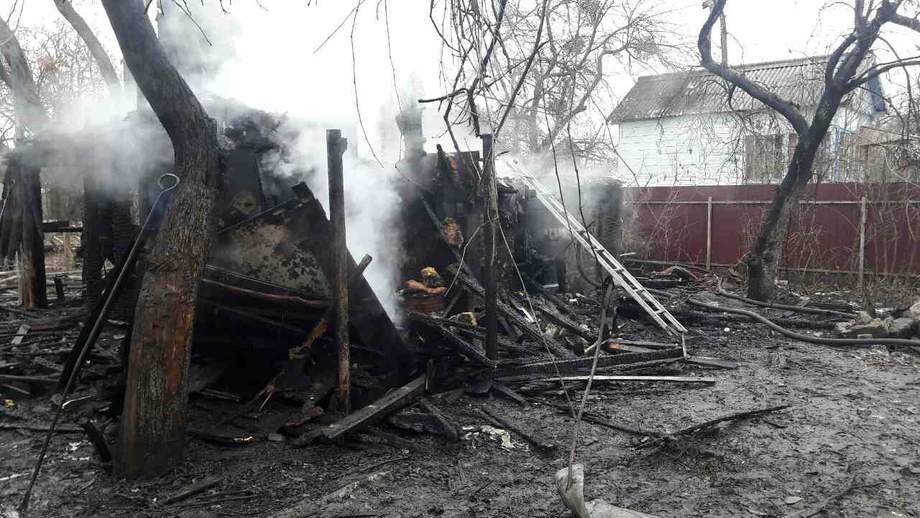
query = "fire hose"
{"x": 912, "y": 345}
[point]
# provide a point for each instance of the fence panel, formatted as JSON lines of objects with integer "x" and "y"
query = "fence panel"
{"x": 829, "y": 228}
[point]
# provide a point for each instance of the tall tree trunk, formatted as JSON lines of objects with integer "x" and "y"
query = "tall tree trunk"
{"x": 764, "y": 259}
{"x": 153, "y": 419}
{"x": 65, "y": 7}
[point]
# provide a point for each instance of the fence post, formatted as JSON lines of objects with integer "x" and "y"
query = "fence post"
{"x": 709, "y": 233}
{"x": 862, "y": 240}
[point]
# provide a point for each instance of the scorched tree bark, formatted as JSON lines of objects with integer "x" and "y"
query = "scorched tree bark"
{"x": 846, "y": 70}
{"x": 153, "y": 419}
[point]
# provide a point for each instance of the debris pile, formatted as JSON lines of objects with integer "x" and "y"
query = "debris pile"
{"x": 903, "y": 323}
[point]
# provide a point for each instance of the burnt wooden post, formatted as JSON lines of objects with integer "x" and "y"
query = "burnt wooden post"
{"x": 27, "y": 198}
{"x": 335, "y": 147}
{"x": 490, "y": 215}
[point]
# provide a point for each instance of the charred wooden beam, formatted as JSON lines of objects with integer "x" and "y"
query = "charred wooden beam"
{"x": 21, "y": 229}
{"x": 60, "y": 226}
{"x": 389, "y": 403}
{"x": 452, "y": 339}
{"x": 335, "y": 147}
{"x": 563, "y": 322}
{"x": 490, "y": 262}
{"x": 540, "y": 444}
{"x": 300, "y": 301}
{"x": 581, "y": 365}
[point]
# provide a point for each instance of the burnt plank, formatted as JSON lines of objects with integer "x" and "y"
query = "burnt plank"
{"x": 392, "y": 401}
{"x": 453, "y": 340}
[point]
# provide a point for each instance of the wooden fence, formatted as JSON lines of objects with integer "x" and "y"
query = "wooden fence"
{"x": 844, "y": 228}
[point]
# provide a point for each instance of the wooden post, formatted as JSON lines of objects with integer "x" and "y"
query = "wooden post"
{"x": 32, "y": 288}
{"x": 709, "y": 232}
{"x": 862, "y": 240}
{"x": 490, "y": 215}
{"x": 335, "y": 147}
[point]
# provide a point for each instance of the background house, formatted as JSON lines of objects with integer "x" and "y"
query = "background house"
{"x": 692, "y": 128}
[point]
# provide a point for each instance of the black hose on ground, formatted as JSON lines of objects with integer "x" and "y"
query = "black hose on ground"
{"x": 911, "y": 345}
{"x": 788, "y": 307}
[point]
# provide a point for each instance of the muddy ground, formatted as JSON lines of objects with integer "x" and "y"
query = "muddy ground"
{"x": 848, "y": 445}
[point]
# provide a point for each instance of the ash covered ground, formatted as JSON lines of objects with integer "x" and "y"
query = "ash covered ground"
{"x": 847, "y": 445}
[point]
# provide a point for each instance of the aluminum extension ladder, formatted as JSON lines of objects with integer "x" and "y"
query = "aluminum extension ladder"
{"x": 620, "y": 275}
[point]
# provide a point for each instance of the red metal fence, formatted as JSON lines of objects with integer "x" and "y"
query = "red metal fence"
{"x": 842, "y": 228}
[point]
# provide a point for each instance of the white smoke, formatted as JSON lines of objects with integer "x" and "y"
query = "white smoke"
{"x": 371, "y": 202}
{"x": 314, "y": 92}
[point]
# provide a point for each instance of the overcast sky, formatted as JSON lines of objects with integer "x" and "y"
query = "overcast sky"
{"x": 274, "y": 66}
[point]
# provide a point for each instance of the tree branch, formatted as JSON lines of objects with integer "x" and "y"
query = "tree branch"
{"x": 29, "y": 110}
{"x": 65, "y": 7}
{"x": 835, "y": 56}
{"x": 536, "y": 49}
{"x": 173, "y": 102}
{"x": 878, "y": 70}
{"x": 5, "y": 76}
{"x": 784, "y": 107}
{"x": 904, "y": 21}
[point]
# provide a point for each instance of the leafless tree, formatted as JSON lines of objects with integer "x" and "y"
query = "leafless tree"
{"x": 542, "y": 67}
{"x": 30, "y": 113}
{"x": 846, "y": 71}
{"x": 65, "y": 7}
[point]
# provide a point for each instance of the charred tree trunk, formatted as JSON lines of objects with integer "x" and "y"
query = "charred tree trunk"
{"x": 153, "y": 420}
{"x": 490, "y": 264}
{"x": 22, "y": 236}
{"x": 32, "y": 289}
{"x": 26, "y": 203}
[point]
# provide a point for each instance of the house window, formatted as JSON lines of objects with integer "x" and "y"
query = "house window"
{"x": 766, "y": 157}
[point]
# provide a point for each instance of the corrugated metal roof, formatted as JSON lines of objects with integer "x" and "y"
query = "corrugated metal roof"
{"x": 679, "y": 93}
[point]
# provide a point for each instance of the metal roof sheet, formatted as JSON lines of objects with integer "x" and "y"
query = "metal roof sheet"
{"x": 800, "y": 81}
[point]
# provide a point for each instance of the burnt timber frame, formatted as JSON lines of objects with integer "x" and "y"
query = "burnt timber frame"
{"x": 311, "y": 231}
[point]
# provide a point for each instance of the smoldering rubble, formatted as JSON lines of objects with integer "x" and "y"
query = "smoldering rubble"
{"x": 677, "y": 364}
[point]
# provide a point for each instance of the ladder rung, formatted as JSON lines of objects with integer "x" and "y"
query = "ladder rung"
{"x": 619, "y": 273}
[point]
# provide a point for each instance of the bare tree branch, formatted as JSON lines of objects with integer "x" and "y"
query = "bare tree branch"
{"x": 29, "y": 110}
{"x": 65, "y": 7}
{"x": 536, "y": 49}
{"x": 785, "y": 108}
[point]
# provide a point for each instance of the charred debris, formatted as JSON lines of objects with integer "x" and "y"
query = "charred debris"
{"x": 511, "y": 306}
